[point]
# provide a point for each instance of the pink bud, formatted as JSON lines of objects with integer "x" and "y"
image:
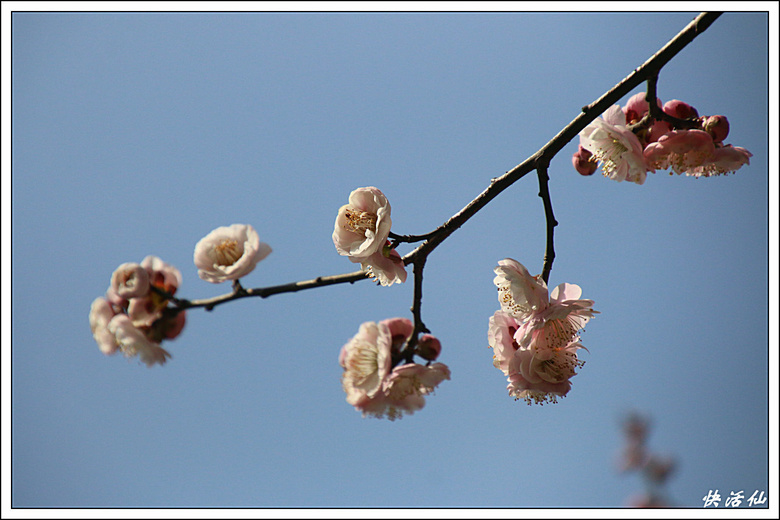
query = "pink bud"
{"x": 583, "y": 162}
{"x": 428, "y": 347}
{"x": 717, "y": 127}
{"x": 636, "y": 107}
{"x": 680, "y": 109}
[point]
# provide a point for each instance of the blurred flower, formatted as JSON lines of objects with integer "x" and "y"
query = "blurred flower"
{"x": 363, "y": 225}
{"x": 616, "y": 147}
{"x": 229, "y": 253}
{"x": 100, "y": 314}
{"x": 132, "y": 317}
{"x": 370, "y": 384}
{"x": 132, "y": 341}
{"x": 130, "y": 280}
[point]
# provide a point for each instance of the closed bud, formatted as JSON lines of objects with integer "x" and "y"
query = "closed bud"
{"x": 717, "y": 127}
{"x": 583, "y": 162}
{"x": 680, "y": 109}
{"x": 428, "y": 347}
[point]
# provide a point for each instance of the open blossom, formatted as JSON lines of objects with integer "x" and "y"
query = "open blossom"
{"x": 229, "y": 252}
{"x": 616, "y": 147}
{"x": 694, "y": 153}
{"x": 541, "y": 376}
{"x": 375, "y": 389}
{"x": 535, "y": 336}
{"x": 363, "y": 225}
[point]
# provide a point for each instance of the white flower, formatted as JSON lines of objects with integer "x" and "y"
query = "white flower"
{"x": 228, "y": 253}
{"x": 363, "y": 225}
{"x": 616, "y": 147}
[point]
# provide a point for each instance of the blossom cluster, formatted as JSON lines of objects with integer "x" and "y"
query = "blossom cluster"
{"x": 627, "y": 146}
{"x": 361, "y": 234}
{"x": 535, "y": 335}
{"x": 374, "y": 385}
{"x": 134, "y": 318}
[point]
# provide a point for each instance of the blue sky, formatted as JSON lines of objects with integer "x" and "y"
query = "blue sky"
{"x": 139, "y": 133}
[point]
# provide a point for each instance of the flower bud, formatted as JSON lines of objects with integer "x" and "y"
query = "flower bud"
{"x": 428, "y": 347}
{"x": 680, "y": 109}
{"x": 717, "y": 127}
{"x": 583, "y": 162}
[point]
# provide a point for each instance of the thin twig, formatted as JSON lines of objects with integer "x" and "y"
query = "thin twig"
{"x": 544, "y": 193}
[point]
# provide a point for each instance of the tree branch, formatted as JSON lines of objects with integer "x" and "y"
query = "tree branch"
{"x": 539, "y": 161}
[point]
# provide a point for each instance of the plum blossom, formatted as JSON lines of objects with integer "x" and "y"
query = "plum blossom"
{"x": 363, "y": 225}
{"x": 694, "y": 153}
{"x": 133, "y": 318}
{"x": 616, "y": 147}
{"x": 372, "y": 385}
{"x": 535, "y": 336}
{"x": 229, "y": 252}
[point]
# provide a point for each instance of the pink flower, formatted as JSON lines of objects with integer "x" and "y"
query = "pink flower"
{"x": 229, "y": 253}
{"x": 501, "y": 338}
{"x": 385, "y": 266}
{"x": 363, "y": 225}
{"x": 616, "y": 147}
{"x": 539, "y": 376}
{"x": 370, "y": 384}
{"x": 535, "y": 336}
{"x": 556, "y": 324}
{"x": 130, "y": 280}
{"x": 681, "y": 150}
{"x": 132, "y": 341}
